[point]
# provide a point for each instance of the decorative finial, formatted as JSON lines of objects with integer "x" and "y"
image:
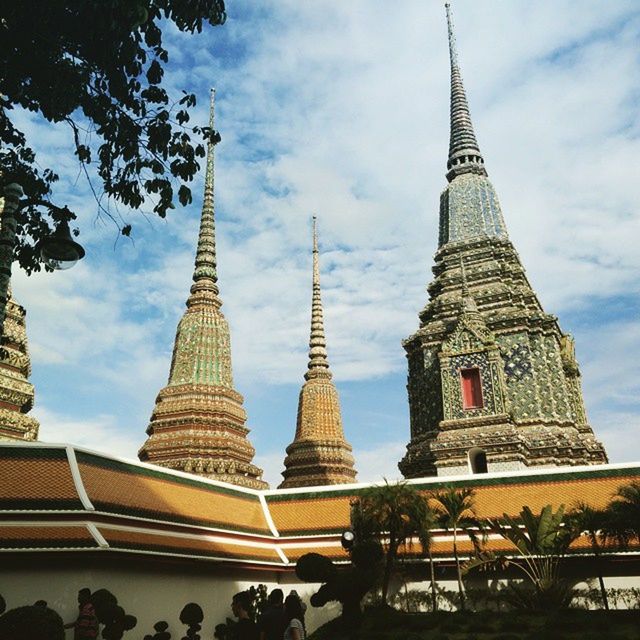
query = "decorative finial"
{"x": 318, "y": 362}
{"x": 453, "y": 54}
{"x": 468, "y": 301}
{"x": 464, "y": 152}
{"x": 205, "y": 274}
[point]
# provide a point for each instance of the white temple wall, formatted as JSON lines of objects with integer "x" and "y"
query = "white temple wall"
{"x": 156, "y": 588}
{"x": 151, "y": 589}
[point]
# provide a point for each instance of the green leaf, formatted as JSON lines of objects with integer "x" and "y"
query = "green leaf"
{"x": 184, "y": 195}
{"x": 154, "y": 72}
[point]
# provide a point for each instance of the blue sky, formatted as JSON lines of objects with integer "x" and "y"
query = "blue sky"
{"x": 341, "y": 110}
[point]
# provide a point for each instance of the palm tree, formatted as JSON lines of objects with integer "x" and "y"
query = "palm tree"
{"x": 426, "y": 538}
{"x": 624, "y": 514}
{"x": 594, "y": 523}
{"x": 395, "y": 513}
{"x": 541, "y": 541}
{"x": 454, "y": 509}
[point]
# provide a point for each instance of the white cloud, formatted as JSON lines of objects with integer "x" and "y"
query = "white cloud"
{"x": 272, "y": 465}
{"x": 100, "y": 433}
{"x": 380, "y": 462}
{"x": 341, "y": 109}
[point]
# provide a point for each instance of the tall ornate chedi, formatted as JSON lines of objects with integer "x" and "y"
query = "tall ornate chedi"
{"x": 198, "y": 423}
{"x": 493, "y": 381}
{"x": 319, "y": 454}
{"x": 16, "y": 392}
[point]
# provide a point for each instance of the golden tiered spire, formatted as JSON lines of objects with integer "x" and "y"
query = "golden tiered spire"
{"x": 198, "y": 422}
{"x": 318, "y": 362}
{"x": 16, "y": 392}
{"x": 319, "y": 454}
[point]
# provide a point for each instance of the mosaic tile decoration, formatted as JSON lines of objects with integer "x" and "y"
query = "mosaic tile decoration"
{"x": 482, "y": 312}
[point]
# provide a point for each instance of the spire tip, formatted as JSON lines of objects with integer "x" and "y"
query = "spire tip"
{"x": 318, "y": 362}
{"x": 205, "y": 271}
{"x": 464, "y": 153}
{"x": 315, "y": 233}
{"x": 453, "y": 54}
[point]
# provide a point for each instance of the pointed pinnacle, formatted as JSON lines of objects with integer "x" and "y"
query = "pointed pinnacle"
{"x": 318, "y": 361}
{"x": 464, "y": 152}
{"x": 205, "y": 273}
{"x": 453, "y": 54}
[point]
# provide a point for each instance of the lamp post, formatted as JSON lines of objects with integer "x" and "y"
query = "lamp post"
{"x": 58, "y": 251}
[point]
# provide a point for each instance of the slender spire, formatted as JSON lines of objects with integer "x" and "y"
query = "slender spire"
{"x": 319, "y": 454}
{"x": 318, "y": 362}
{"x": 464, "y": 152}
{"x": 205, "y": 275}
{"x": 198, "y": 422}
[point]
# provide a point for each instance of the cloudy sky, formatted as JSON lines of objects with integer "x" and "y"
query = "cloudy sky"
{"x": 340, "y": 109}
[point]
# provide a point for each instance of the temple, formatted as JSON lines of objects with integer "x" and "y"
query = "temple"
{"x": 319, "y": 454}
{"x": 493, "y": 381}
{"x": 198, "y": 423}
{"x": 16, "y": 392}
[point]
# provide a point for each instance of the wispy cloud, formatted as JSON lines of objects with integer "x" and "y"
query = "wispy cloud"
{"x": 341, "y": 109}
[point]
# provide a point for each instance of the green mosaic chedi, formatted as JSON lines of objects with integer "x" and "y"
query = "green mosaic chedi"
{"x": 198, "y": 423}
{"x": 493, "y": 381}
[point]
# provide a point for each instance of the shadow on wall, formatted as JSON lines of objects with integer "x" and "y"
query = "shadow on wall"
{"x": 100, "y": 616}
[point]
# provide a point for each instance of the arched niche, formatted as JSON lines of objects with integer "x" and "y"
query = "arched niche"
{"x": 477, "y": 460}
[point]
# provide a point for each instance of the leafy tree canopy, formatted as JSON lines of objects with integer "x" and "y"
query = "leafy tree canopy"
{"x": 98, "y": 66}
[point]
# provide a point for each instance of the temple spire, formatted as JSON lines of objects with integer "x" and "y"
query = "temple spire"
{"x": 205, "y": 275}
{"x": 319, "y": 453}
{"x": 198, "y": 423}
{"x": 318, "y": 362}
{"x": 493, "y": 382}
{"x": 464, "y": 152}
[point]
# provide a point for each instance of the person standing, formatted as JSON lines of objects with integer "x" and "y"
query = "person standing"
{"x": 272, "y": 623}
{"x": 246, "y": 628}
{"x": 294, "y": 615}
{"x": 86, "y": 625}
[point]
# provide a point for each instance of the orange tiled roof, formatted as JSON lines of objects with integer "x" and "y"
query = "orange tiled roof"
{"x": 191, "y": 546}
{"x": 326, "y": 510}
{"x": 137, "y": 490}
{"x": 332, "y": 550}
{"x": 36, "y": 478}
{"x": 135, "y": 507}
{"x": 45, "y": 536}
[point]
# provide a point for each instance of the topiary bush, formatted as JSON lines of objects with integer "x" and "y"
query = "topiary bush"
{"x": 35, "y": 622}
{"x": 192, "y": 615}
{"x": 110, "y": 614}
{"x": 161, "y": 632}
{"x": 346, "y": 585}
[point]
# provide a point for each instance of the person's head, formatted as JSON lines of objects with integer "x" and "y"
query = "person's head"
{"x": 84, "y": 596}
{"x": 293, "y": 607}
{"x": 241, "y": 604}
{"x": 276, "y": 598}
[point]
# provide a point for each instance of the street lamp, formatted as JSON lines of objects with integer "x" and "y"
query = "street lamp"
{"x": 347, "y": 539}
{"x": 58, "y": 250}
